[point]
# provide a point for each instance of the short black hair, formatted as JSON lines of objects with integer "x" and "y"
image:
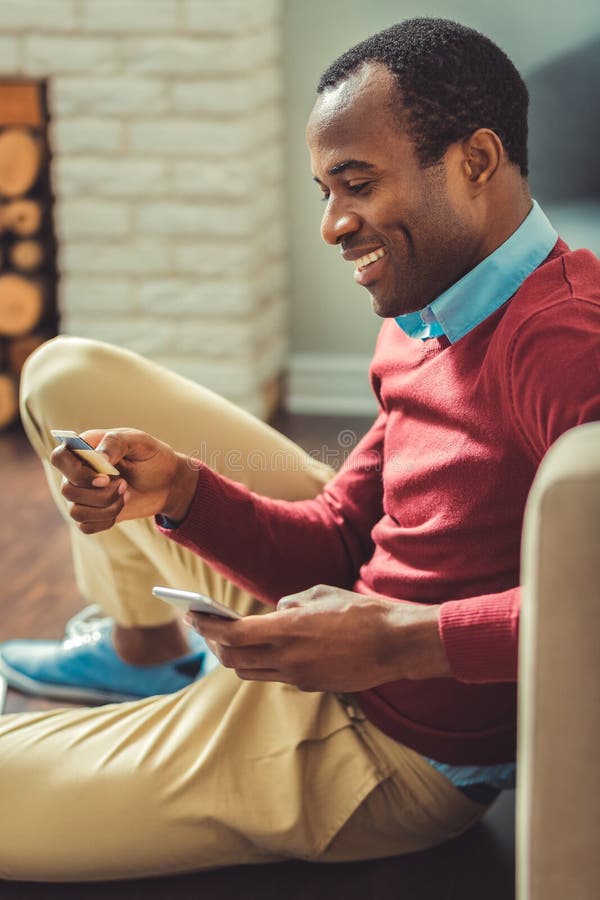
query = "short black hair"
{"x": 452, "y": 81}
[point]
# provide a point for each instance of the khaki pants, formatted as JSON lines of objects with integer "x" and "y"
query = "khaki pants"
{"x": 226, "y": 771}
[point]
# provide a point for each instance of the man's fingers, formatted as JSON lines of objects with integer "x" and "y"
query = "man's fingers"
{"x": 249, "y": 631}
{"x": 310, "y": 595}
{"x": 112, "y": 444}
{"x": 72, "y": 467}
{"x": 95, "y": 527}
{"x": 255, "y": 657}
{"x": 96, "y": 514}
{"x": 272, "y": 675}
{"x": 290, "y": 602}
{"x": 94, "y": 497}
{"x": 101, "y": 481}
{"x": 94, "y": 509}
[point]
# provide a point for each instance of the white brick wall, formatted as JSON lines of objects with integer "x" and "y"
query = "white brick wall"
{"x": 238, "y": 378}
{"x": 9, "y": 54}
{"x": 184, "y": 137}
{"x": 40, "y": 16}
{"x": 207, "y": 97}
{"x": 80, "y": 176}
{"x": 184, "y": 298}
{"x": 168, "y": 171}
{"x": 79, "y": 218}
{"x": 58, "y": 54}
{"x": 137, "y": 256}
{"x": 234, "y": 220}
{"x": 125, "y": 16}
{"x": 142, "y": 335}
{"x": 69, "y": 137}
{"x": 112, "y": 95}
{"x": 225, "y": 179}
{"x": 214, "y": 17}
{"x": 207, "y": 259}
{"x": 85, "y": 295}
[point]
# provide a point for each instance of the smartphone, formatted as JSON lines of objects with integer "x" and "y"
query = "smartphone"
{"x": 189, "y": 601}
{"x": 82, "y": 449}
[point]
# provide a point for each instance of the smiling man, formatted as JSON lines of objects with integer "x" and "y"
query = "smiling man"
{"x": 407, "y": 228}
{"x": 372, "y": 710}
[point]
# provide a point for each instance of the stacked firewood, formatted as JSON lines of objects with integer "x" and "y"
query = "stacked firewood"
{"x": 28, "y": 314}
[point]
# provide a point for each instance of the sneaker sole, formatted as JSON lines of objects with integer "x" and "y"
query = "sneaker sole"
{"x": 26, "y": 685}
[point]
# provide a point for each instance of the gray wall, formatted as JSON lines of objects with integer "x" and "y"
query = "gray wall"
{"x": 330, "y": 314}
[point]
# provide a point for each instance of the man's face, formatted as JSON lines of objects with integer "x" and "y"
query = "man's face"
{"x": 408, "y": 231}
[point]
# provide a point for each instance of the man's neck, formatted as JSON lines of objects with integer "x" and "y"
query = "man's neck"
{"x": 505, "y": 213}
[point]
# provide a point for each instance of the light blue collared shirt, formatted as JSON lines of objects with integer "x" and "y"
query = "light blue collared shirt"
{"x": 454, "y": 313}
{"x": 485, "y": 288}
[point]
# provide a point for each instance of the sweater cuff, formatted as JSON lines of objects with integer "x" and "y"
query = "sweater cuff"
{"x": 481, "y": 636}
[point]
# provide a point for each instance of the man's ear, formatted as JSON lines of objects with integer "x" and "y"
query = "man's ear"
{"x": 482, "y": 154}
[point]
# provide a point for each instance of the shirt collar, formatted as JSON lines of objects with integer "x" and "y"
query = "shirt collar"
{"x": 485, "y": 288}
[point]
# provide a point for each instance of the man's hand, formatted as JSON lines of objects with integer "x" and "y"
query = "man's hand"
{"x": 155, "y": 479}
{"x": 329, "y": 639}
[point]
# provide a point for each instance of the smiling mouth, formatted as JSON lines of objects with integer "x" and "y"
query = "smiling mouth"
{"x": 368, "y": 259}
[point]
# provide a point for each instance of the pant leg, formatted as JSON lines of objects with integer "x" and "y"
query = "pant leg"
{"x": 79, "y": 384}
{"x": 222, "y": 773}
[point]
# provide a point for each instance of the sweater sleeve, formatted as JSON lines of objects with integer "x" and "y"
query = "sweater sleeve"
{"x": 481, "y": 636}
{"x": 273, "y": 547}
{"x": 554, "y": 373}
{"x": 554, "y": 385}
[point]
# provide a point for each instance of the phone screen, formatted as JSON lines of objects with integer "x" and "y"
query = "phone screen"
{"x": 189, "y": 601}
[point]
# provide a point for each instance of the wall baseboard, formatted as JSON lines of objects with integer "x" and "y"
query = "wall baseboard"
{"x": 330, "y": 384}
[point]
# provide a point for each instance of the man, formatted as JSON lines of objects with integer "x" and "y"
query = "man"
{"x": 373, "y": 712}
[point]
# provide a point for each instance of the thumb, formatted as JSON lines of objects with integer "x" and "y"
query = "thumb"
{"x": 110, "y": 443}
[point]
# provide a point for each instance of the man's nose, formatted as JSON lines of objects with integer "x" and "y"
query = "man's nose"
{"x": 337, "y": 223}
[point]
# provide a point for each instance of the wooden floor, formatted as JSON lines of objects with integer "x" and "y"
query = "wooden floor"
{"x": 38, "y": 594}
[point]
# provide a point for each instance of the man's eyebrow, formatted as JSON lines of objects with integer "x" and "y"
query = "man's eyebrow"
{"x": 361, "y": 164}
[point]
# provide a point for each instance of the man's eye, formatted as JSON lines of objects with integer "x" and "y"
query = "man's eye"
{"x": 353, "y": 188}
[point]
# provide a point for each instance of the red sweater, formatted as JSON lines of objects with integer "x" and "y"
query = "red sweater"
{"x": 429, "y": 506}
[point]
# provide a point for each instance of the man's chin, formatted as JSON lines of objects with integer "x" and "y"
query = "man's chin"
{"x": 385, "y": 307}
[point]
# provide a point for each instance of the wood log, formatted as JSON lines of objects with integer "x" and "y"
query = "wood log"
{"x": 20, "y": 158}
{"x": 27, "y": 255}
{"x": 21, "y": 305}
{"x": 21, "y": 103}
{"x": 22, "y": 217}
{"x": 9, "y": 400}
{"x": 19, "y": 349}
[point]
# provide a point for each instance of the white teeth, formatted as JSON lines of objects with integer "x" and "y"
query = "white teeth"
{"x": 369, "y": 258}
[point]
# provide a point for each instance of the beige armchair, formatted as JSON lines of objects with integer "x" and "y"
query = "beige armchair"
{"x": 558, "y": 786}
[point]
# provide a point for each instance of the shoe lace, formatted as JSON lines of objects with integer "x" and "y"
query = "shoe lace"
{"x": 86, "y": 620}
{"x": 78, "y": 640}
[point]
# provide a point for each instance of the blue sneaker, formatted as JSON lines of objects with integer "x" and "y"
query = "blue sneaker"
{"x": 87, "y": 669}
{"x": 91, "y": 618}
